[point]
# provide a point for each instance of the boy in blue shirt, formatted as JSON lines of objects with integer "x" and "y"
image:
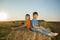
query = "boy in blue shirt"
{"x": 40, "y": 29}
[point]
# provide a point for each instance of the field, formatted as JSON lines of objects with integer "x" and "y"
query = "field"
{"x": 5, "y": 28}
{"x": 55, "y": 27}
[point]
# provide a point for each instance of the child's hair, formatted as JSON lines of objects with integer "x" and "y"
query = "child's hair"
{"x": 35, "y": 13}
{"x": 27, "y": 15}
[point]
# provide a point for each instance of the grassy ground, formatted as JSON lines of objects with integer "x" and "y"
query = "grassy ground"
{"x": 55, "y": 27}
{"x": 4, "y": 31}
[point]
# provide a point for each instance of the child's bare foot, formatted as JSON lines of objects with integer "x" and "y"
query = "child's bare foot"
{"x": 54, "y": 34}
{"x": 50, "y": 35}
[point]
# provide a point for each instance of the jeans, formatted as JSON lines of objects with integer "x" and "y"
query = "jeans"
{"x": 20, "y": 28}
{"x": 41, "y": 30}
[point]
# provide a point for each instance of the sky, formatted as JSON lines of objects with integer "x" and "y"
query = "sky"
{"x": 48, "y": 10}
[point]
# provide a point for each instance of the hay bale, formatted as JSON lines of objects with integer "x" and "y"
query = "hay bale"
{"x": 27, "y": 35}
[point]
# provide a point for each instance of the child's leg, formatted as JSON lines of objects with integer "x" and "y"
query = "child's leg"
{"x": 44, "y": 29}
{"x": 40, "y": 30}
{"x": 50, "y": 33}
{"x": 21, "y": 28}
{"x": 15, "y": 28}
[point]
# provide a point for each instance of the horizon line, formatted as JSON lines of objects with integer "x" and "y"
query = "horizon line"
{"x": 24, "y": 20}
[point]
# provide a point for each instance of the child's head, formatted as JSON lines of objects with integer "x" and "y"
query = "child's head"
{"x": 27, "y": 17}
{"x": 35, "y": 15}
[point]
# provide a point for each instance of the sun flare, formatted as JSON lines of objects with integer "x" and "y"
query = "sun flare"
{"x": 3, "y": 16}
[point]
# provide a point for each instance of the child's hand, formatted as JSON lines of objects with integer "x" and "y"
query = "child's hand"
{"x": 41, "y": 26}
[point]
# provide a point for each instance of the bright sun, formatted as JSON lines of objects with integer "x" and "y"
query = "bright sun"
{"x": 3, "y": 16}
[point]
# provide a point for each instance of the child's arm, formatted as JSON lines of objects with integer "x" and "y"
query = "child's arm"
{"x": 35, "y": 26}
{"x": 40, "y": 26}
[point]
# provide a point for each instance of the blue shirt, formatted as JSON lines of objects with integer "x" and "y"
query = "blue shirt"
{"x": 34, "y": 22}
